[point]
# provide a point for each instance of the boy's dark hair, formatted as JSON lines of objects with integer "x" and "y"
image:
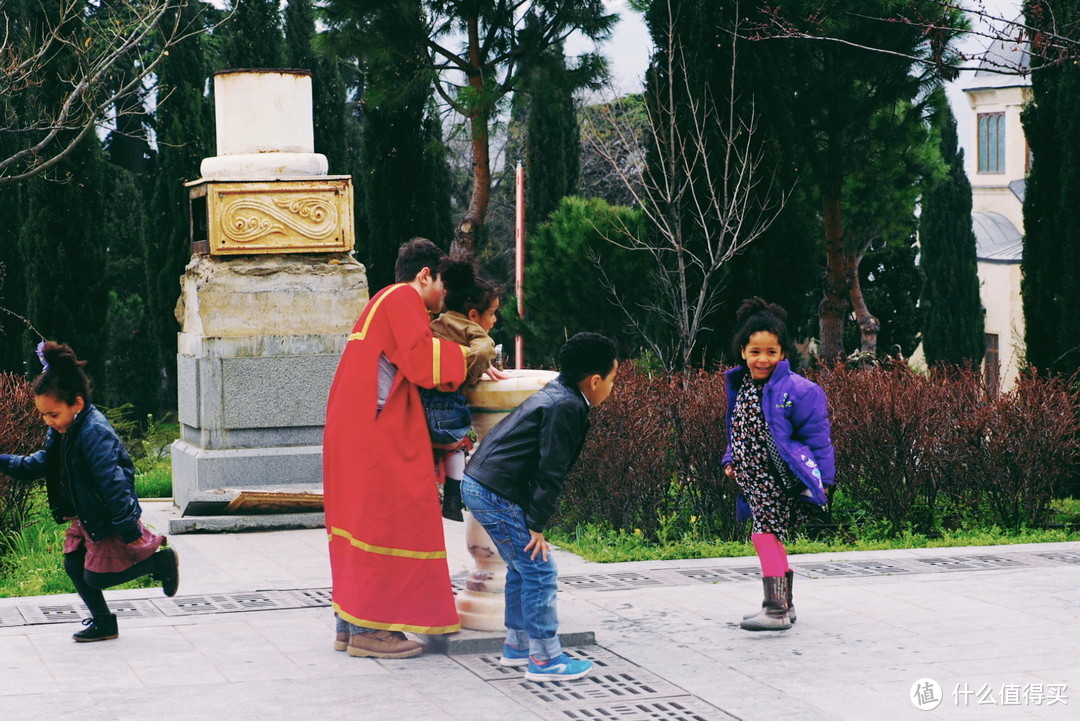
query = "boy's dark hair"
{"x": 415, "y": 255}
{"x": 586, "y": 354}
{"x": 64, "y": 379}
{"x": 755, "y": 316}
{"x": 465, "y": 290}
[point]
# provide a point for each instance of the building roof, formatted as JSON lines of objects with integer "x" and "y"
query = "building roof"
{"x": 996, "y": 239}
{"x": 1005, "y": 63}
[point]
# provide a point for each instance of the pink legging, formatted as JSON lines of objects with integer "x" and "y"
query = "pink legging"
{"x": 771, "y": 553}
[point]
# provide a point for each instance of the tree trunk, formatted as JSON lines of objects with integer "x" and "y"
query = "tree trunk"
{"x": 476, "y": 214}
{"x": 838, "y": 280}
{"x": 868, "y": 324}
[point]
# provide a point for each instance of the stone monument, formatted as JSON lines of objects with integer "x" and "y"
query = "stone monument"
{"x": 267, "y": 300}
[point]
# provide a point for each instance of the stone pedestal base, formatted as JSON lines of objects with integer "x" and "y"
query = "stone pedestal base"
{"x": 252, "y": 385}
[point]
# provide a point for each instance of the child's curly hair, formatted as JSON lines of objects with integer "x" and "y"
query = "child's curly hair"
{"x": 755, "y": 316}
{"x": 465, "y": 289}
{"x": 63, "y": 378}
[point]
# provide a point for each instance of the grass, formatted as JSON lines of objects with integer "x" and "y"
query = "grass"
{"x": 32, "y": 561}
{"x": 605, "y": 545}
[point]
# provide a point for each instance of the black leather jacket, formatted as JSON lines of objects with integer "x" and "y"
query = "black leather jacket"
{"x": 88, "y": 474}
{"x": 525, "y": 458}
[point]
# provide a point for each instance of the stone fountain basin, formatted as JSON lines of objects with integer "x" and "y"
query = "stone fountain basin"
{"x": 492, "y": 400}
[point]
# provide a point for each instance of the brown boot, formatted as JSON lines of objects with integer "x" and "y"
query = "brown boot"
{"x": 774, "y": 612}
{"x": 383, "y": 644}
{"x": 341, "y": 640}
{"x": 790, "y": 604}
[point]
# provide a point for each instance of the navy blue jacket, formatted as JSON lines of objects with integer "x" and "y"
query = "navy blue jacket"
{"x": 798, "y": 418}
{"x": 526, "y": 456}
{"x": 99, "y": 475}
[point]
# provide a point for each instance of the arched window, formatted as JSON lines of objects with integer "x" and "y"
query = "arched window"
{"x": 991, "y": 142}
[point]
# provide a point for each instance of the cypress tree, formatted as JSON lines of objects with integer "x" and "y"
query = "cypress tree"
{"x": 327, "y": 86}
{"x": 552, "y": 137}
{"x": 63, "y": 247}
{"x": 252, "y": 37}
{"x": 1050, "y": 266}
{"x": 953, "y": 325}
{"x": 185, "y": 137}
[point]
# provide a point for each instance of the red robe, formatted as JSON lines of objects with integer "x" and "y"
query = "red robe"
{"x": 383, "y": 518}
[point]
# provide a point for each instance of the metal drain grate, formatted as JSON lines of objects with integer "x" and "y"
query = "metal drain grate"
{"x": 598, "y": 688}
{"x": 135, "y": 608}
{"x": 51, "y": 613}
{"x": 311, "y": 597}
{"x": 970, "y": 563}
{"x": 222, "y": 603}
{"x": 1061, "y": 557}
{"x": 487, "y": 666}
{"x": 684, "y": 708}
{"x": 710, "y": 575}
{"x": 611, "y": 581}
{"x": 853, "y": 568}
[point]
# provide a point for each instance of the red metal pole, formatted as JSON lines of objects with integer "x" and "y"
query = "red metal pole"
{"x": 519, "y": 259}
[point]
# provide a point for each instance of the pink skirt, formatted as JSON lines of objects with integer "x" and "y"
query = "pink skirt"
{"x": 111, "y": 554}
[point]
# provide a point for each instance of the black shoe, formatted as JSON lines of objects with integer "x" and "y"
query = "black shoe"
{"x": 451, "y": 502}
{"x": 168, "y": 569}
{"x": 98, "y": 628}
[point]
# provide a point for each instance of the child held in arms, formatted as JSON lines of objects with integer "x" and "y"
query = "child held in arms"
{"x": 472, "y": 304}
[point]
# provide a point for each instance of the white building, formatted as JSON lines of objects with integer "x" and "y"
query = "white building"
{"x": 997, "y": 170}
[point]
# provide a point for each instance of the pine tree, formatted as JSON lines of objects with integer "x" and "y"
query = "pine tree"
{"x": 1050, "y": 266}
{"x": 953, "y": 325}
{"x": 252, "y": 37}
{"x": 185, "y": 136}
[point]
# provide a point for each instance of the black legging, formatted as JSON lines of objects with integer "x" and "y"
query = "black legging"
{"x": 89, "y": 584}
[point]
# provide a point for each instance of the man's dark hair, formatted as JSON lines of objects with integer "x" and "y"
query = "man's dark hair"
{"x": 584, "y": 355}
{"x": 414, "y": 256}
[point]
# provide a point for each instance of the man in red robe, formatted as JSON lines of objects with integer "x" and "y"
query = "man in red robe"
{"x": 384, "y": 521}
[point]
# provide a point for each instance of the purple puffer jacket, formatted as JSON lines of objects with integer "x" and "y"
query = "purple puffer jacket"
{"x": 798, "y": 419}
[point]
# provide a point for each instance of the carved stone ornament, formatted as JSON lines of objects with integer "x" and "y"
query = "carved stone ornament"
{"x": 286, "y": 216}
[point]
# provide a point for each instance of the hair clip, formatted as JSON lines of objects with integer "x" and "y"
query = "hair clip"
{"x": 41, "y": 356}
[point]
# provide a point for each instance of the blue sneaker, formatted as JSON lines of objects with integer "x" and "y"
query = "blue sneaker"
{"x": 514, "y": 656}
{"x": 560, "y": 668}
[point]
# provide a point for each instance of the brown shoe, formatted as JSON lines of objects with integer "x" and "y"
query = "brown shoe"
{"x": 383, "y": 644}
{"x": 341, "y": 640}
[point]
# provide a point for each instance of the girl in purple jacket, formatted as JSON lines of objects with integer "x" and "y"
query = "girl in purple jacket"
{"x": 779, "y": 450}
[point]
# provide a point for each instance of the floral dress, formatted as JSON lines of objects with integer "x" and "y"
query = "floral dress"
{"x": 752, "y": 447}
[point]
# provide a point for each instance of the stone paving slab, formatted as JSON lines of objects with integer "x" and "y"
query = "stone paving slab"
{"x": 991, "y": 620}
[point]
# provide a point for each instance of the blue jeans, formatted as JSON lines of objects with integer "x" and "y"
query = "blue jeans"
{"x": 530, "y": 584}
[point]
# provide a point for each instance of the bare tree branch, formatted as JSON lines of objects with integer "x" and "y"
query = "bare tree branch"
{"x": 727, "y": 201}
{"x": 135, "y": 36}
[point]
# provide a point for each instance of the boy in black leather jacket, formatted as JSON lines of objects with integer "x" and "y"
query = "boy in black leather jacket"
{"x": 512, "y": 485}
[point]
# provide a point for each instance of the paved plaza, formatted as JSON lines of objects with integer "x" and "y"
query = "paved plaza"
{"x": 984, "y": 633}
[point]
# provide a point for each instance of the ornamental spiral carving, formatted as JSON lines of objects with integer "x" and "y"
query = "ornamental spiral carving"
{"x": 251, "y": 219}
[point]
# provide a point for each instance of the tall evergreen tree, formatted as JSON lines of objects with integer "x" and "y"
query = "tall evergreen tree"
{"x": 839, "y": 88}
{"x": 327, "y": 86}
{"x": 252, "y": 37}
{"x": 952, "y": 309}
{"x": 1050, "y": 267}
{"x": 185, "y": 136}
{"x": 490, "y": 42}
{"x": 402, "y": 183}
{"x": 63, "y": 247}
{"x": 552, "y": 136}
{"x": 130, "y": 373}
